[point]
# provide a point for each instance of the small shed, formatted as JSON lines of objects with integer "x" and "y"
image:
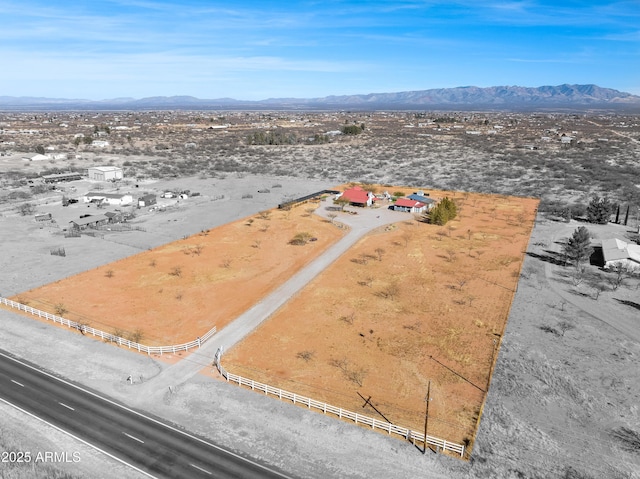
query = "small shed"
{"x": 147, "y": 200}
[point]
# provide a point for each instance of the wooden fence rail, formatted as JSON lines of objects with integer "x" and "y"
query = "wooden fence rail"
{"x": 107, "y": 336}
{"x": 389, "y": 428}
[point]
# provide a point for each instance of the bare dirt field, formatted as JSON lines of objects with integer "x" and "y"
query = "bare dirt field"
{"x": 409, "y": 304}
{"x": 174, "y": 293}
{"x": 554, "y": 409}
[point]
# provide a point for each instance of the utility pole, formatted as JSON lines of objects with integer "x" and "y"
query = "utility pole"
{"x": 426, "y": 416}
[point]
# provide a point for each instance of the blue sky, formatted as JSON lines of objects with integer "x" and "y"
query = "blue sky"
{"x": 252, "y": 50}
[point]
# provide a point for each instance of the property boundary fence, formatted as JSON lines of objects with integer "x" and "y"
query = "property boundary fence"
{"x": 303, "y": 199}
{"x": 405, "y": 433}
{"x": 83, "y": 329}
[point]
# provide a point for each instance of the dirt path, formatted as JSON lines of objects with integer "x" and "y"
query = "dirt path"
{"x": 364, "y": 221}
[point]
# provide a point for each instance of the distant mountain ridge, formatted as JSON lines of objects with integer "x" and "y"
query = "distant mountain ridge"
{"x": 499, "y": 97}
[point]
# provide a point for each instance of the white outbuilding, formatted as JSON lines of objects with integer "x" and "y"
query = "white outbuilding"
{"x": 105, "y": 173}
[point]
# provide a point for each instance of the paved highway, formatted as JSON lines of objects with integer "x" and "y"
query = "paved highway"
{"x": 144, "y": 443}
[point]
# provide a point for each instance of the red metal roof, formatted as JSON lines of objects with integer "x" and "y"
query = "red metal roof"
{"x": 356, "y": 195}
{"x": 407, "y": 203}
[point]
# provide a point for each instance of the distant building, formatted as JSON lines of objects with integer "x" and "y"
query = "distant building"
{"x": 105, "y": 173}
{"x": 90, "y": 221}
{"x": 37, "y": 157}
{"x": 55, "y": 178}
{"x": 44, "y": 217}
{"x": 114, "y": 199}
{"x": 147, "y": 200}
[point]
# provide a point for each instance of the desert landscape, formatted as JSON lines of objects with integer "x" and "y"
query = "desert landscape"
{"x": 563, "y": 399}
{"x": 431, "y": 305}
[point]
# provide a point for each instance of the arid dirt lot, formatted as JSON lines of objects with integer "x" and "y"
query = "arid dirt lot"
{"x": 413, "y": 303}
{"x": 174, "y": 293}
{"x": 408, "y": 304}
{"x": 553, "y": 407}
{"x": 560, "y": 399}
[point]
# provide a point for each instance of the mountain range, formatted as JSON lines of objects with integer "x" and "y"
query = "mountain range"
{"x": 463, "y": 98}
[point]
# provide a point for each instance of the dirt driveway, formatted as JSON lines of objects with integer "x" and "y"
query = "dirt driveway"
{"x": 359, "y": 223}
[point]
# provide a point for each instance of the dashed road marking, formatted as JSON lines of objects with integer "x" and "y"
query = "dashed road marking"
{"x": 200, "y": 469}
{"x": 133, "y": 437}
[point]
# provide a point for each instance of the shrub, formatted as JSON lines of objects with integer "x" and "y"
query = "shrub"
{"x": 351, "y": 130}
{"x": 60, "y": 309}
{"x": 300, "y": 239}
{"x": 305, "y": 355}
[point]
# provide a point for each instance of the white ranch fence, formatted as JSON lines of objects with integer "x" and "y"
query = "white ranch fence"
{"x": 407, "y": 434}
{"x": 107, "y": 336}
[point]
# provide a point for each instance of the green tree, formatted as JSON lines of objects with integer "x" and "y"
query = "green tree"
{"x": 351, "y": 130}
{"x": 40, "y": 149}
{"x": 342, "y": 202}
{"x": 443, "y": 212}
{"x": 578, "y": 248}
{"x": 599, "y": 210}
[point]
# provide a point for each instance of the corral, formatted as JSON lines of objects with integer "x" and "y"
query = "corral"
{"x": 409, "y": 304}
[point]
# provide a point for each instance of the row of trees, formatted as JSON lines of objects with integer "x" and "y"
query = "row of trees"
{"x": 599, "y": 210}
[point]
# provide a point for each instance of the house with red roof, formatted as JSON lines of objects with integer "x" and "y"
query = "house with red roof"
{"x": 357, "y": 196}
{"x": 409, "y": 205}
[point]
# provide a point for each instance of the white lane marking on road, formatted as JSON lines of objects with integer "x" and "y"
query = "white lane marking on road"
{"x": 200, "y": 469}
{"x": 76, "y": 437}
{"x": 68, "y": 407}
{"x": 16, "y": 382}
{"x": 160, "y": 423}
{"x": 134, "y": 438}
